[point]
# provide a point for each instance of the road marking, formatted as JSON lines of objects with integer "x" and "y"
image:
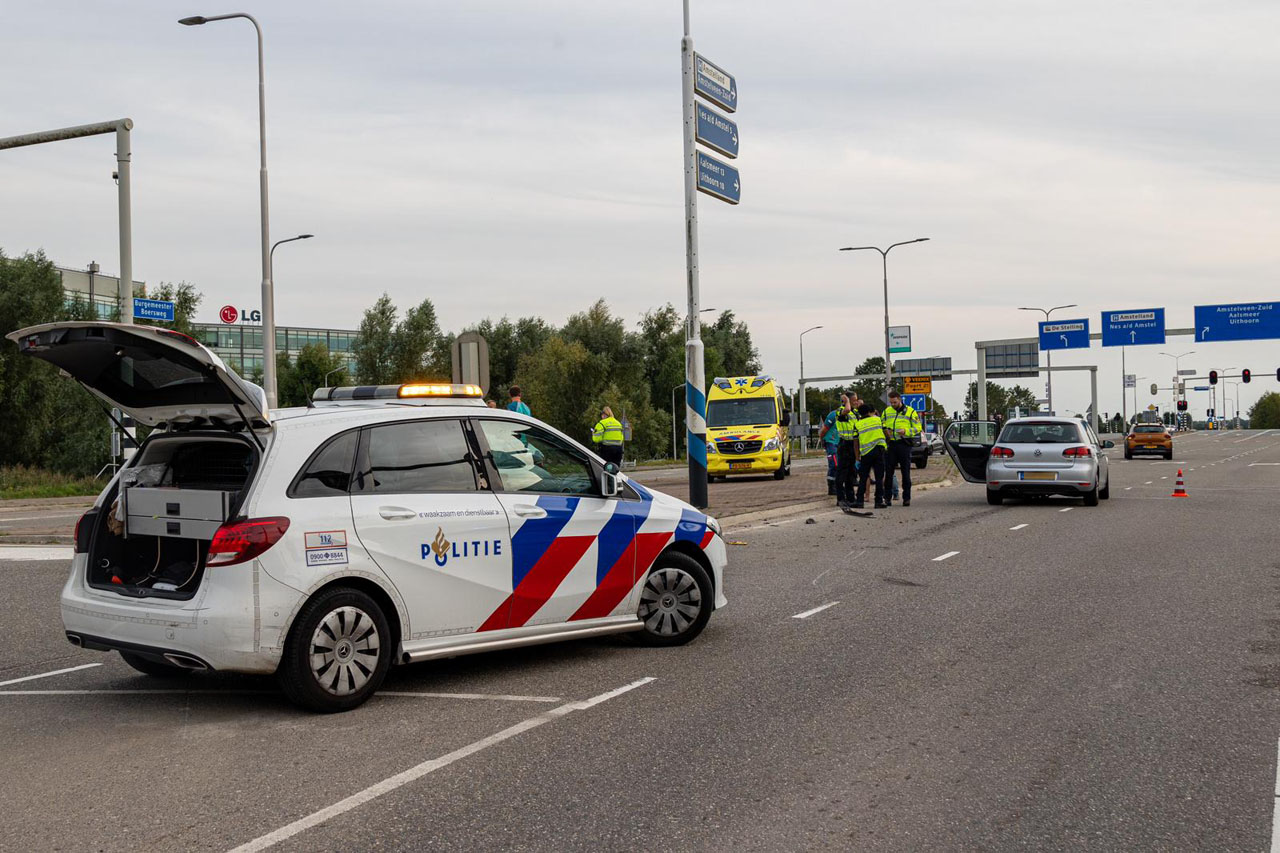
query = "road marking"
{"x": 1128, "y": 488}
{"x": 1256, "y": 464}
{"x": 1275, "y": 813}
{"x": 8, "y": 518}
{"x": 162, "y": 691}
{"x": 1066, "y": 509}
{"x": 946, "y": 556}
{"x": 429, "y": 766}
{"x": 1148, "y": 483}
{"x": 808, "y": 613}
{"x": 33, "y": 552}
{"x": 47, "y": 674}
{"x": 1018, "y": 527}
{"x": 1164, "y": 478}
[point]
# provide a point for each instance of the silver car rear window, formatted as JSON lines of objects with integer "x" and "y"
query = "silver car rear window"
{"x": 1047, "y": 432}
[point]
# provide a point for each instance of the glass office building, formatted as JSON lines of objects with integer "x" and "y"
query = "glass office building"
{"x": 238, "y": 344}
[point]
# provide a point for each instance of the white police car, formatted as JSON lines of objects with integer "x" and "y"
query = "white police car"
{"x": 381, "y": 525}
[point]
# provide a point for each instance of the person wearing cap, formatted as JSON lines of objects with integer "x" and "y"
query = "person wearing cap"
{"x": 607, "y": 436}
{"x": 902, "y": 428}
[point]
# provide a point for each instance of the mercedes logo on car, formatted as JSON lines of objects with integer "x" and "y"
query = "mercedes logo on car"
{"x": 228, "y": 314}
{"x": 738, "y": 447}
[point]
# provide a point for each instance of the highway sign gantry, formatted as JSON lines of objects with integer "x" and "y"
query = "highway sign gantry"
{"x": 719, "y": 179}
{"x": 1133, "y": 328}
{"x": 1064, "y": 334}
{"x": 1243, "y": 321}
{"x": 715, "y": 131}
{"x": 714, "y": 83}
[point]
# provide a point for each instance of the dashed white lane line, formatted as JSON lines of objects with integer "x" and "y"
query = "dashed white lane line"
{"x": 808, "y": 613}
{"x": 47, "y": 674}
{"x": 1018, "y": 527}
{"x": 1128, "y": 488}
{"x": 1164, "y": 478}
{"x": 168, "y": 691}
{"x": 1066, "y": 509}
{"x": 1148, "y": 483}
{"x": 1257, "y": 464}
{"x": 430, "y": 766}
{"x": 32, "y": 552}
{"x": 946, "y": 556}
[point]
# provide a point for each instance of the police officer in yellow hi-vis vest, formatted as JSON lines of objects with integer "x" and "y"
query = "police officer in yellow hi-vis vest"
{"x": 846, "y": 455}
{"x": 902, "y": 427}
{"x": 871, "y": 450}
{"x": 607, "y": 437}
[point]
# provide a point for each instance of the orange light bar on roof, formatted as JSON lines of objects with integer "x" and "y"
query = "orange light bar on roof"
{"x": 439, "y": 391}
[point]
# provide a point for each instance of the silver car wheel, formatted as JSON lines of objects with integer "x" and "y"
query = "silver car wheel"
{"x": 670, "y": 602}
{"x": 344, "y": 650}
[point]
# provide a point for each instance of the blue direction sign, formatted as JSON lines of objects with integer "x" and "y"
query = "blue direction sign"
{"x": 916, "y": 401}
{"x": 1131, "y": 328}
{"x": 1245, "y": 321}
{"x": 715, "y": 84}
{"x": 152, "y": 309}
{"x": 715, "y": 131}
{"x": 1065, "y": 334}
{"x": 1199, "y": 387}
{"x": 719, "y": 179}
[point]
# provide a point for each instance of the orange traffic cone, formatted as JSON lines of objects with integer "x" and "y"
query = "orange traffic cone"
{"x": 1178, "y": 490}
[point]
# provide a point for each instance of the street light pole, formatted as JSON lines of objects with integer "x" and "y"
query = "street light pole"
{"x": 1048, "y": 354}
{"x": 803, "y": 409}
{"x": 884, "y": 262}
{"x": 268, "y": 295}
{"x": 1177, "y": 381}
{"x": 675, "y": 450}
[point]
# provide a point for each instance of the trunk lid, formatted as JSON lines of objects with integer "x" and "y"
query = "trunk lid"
{"x": 157, "y": 376}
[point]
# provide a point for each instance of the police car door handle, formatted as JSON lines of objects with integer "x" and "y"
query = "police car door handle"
{"x": 393, "y": 513}
{"x": 530, "y": 511}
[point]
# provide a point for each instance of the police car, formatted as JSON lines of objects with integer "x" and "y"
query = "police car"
{"x": 380, "y": 525}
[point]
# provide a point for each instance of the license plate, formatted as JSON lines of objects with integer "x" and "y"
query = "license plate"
{"x": 1038, "y": 475}
{"x": 739, "y": 466}
{"x": 1150, "y": 447}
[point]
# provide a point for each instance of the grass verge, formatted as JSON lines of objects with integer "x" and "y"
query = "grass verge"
{"x": 21, "y": 482}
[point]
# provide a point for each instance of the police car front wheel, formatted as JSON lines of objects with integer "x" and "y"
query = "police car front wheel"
{"x": 675, "y": 602}
{"x": 338, "y": 651}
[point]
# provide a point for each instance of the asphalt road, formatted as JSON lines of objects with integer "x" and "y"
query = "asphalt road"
{"x": 1067, "y": 678}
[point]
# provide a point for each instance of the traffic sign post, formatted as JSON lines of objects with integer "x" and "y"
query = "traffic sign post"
{"x": 1245, "y": 321}
{"x": 1132, "y": 328}
{"x": 714, "y": 83}
{"x": 715, "y": 131}
{"x": 152, "y": 309}
{"x": 1064, "y": 334}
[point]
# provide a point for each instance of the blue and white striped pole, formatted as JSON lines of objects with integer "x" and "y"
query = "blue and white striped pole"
{"x": 695, "y": 410}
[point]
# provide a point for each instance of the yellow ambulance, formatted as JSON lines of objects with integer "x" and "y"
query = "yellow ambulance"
{"x": 747, "y": 423}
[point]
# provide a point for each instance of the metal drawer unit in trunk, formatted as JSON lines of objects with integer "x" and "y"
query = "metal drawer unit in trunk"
{"x": 182, "y": 513}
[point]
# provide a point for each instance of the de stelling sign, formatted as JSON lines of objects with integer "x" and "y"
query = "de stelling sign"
{"x": 229, "y": 314}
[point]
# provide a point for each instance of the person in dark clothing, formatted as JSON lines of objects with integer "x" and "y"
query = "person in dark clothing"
{"x": 871, "y": 449}
{"x": 846, "y": 457}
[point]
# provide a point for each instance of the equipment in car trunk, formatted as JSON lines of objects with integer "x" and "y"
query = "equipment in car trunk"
{"x": 181, "y": 513}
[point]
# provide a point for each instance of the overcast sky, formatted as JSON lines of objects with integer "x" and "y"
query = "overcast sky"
{"x": 525, "y": 158}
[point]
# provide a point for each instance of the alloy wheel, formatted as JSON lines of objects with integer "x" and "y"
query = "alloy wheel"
{"x": 670, "y": 602}
{"x": 344, "y": 650}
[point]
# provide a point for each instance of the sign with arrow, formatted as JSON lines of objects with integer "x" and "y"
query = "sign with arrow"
{"x": 715, "y": 131}
{"x": 1245, "y": 321}
{"x": 715, "y": 84}
{"x": 719, "y": 179}
{"x": 1132, "y": 328}
{"x": 1065, "y": 334}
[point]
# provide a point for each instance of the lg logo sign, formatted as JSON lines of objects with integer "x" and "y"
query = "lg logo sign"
{"x": 230, "y": 315}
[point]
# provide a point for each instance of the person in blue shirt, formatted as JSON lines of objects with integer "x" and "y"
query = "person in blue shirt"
{"x": 516, "y": 404}
{"x": 830, "y": 437}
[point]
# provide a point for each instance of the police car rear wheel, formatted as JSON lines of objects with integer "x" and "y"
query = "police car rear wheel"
{"x": 675, "y": 602}
{"x": 338, "y": 651}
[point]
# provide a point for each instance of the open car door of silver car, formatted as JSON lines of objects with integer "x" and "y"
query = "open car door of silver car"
{"x": 969, "y": 444}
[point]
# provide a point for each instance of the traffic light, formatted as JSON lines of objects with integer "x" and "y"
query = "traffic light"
{"x": 1213, "y": 377}
{"x": 1246, "y": 375}
{"x": 1208, "y": 413}
{"x": 1182, "y": 405}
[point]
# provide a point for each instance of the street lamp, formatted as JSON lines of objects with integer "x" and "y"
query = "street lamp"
{"x": 330, "y": 373}
{"x": 268, "y": 297}
{"x": 1048, "y": 354}
{"x": 803, "y": 407}
{"x": 884, "y": 259}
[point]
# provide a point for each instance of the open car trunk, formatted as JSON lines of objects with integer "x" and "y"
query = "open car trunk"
{"x": 151, "y": 535}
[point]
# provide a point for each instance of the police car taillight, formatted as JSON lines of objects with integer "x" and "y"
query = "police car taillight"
{"x": 241, "y": 541}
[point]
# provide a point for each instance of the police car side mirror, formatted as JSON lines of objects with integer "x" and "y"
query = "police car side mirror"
{"x": 609, "y": 480}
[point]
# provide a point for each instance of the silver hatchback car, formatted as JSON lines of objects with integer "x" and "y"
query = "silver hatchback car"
{"x": 1033, "y": 456}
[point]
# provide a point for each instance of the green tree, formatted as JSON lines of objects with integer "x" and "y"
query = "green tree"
{"x": 1001, "y": 400}
{"x": 415, "y": 346}
{"x": 508, "y": 342}
{"x": 374, "y": 349}
{"x": 1265, "y": 413}
{"x": 561, "y": 383}
{"x": 296, "y": 381}
{"x": 727, "y": 346}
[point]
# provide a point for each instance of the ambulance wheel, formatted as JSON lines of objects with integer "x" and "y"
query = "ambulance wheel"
{"x": 338, "y": 651}
{"x": 780, "y": 473}
{"x": 675, "y": 601}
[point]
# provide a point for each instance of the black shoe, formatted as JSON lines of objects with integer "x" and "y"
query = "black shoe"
{"x": 906, "y": 501}
{"x": 831, "y": 490}
{"x": 888, "y": 504}
{"x": 842, "y": 504}
{"x": 882, "y": 506}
